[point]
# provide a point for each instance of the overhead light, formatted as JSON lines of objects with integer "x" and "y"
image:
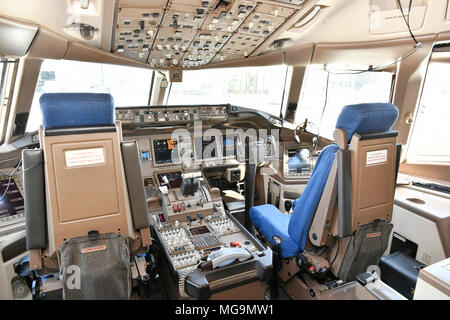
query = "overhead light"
{"x": 279, "y": 43}
{"x": 84, "y": 4}
{"x": 308, "y": 17}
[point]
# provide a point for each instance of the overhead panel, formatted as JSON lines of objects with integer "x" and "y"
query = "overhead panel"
{"x": 185, "y": 34}
{"x": 170, "y": 46}
{"x": 205, "y": 46}
{"x": 135, "y": 33}
{"x": 228, "y": 17}
{"x": 261, "y": 24}
{"x": 275, "y": 10}
{"x": 239, "y": 46}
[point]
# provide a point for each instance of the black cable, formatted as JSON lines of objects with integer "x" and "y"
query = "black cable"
{"x": 409, "y": 9}
{"x": 407, "y": 20}
{"x": 337, "y": 251}
{"x": 9, "y": 180}
{"x": 416, "y": 48}
{"x": 14, "y": 173}
{"x": 284, "y": 91}
{"x": 325, "y": 102}
{"x": 19, "y": 172}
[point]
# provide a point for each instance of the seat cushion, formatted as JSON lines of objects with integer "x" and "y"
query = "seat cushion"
{"x": 71, "y": 110}
{"x": 271, "y": 222}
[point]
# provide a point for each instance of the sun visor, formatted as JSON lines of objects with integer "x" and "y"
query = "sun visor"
{"x": 15, "y": 37}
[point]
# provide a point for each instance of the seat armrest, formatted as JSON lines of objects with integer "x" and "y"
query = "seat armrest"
{"x": 135, "y": 185}
{"x": 34, "y": 199}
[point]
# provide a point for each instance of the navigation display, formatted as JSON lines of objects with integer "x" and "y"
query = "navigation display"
{"x": 206, "y": 147}
{"x": 229, "y": 145}
{"x": 299, "y": 161}
{"x": 166, "y": 151}
{"x": 171, "y": 179}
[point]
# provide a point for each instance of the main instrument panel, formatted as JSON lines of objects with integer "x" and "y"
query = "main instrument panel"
{"x": 175, "y": 114}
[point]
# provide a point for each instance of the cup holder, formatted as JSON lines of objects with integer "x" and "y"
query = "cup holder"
{"x": 416, "y": 200}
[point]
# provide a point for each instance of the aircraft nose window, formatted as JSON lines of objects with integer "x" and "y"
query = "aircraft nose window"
{"x": 256, "y": 87}
{"x": 128, "y": 86}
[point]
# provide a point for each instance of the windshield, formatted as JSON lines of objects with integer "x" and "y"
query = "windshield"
{"x": 129, "y": 86}
{"x": 258, "y": 88}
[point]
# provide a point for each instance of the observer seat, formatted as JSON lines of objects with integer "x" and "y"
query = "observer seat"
{"x": 84, "y": 194}
{"x": 347, "y": 204}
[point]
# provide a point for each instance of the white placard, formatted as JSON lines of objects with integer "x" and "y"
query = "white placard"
{"x": 84, "y": 157}
{"x": 391, "y": 21}
{"x": 378, "y": 156}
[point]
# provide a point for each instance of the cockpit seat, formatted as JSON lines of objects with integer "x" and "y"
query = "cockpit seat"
{"x": 293, "y": 229}
{"x": 85, "y": 201}
{"x": 371, "y": 120}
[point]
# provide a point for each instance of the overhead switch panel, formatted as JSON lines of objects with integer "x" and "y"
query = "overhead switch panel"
{"x": 194, "y": 33}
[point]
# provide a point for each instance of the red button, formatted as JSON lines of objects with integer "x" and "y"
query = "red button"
{"x": 179, "y": 207}
{"x": 175, "y": 209}
{"x": 311, "y": 268}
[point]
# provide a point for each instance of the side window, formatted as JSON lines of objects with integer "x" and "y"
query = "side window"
{"x": 325, "y": 93}
{"x": 429, "y": 140}
{"x": 129, "y": 86}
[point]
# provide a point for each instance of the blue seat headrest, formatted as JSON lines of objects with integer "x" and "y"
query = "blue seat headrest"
{"x": 367, "y": 117}
{"x": 70, "y": 110}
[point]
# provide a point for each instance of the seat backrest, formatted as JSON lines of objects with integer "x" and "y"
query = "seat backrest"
{"x": 303, "y": 208}
{"x": 367, "y": 166}
{"x": 85, "y": 181}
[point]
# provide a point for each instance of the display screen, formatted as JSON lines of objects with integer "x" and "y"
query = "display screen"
{"x": 171, "y": 179}
{"x": 199, "y": 230}
{"x": 299, "y": 160}
{"x": 229, "y": 145}
{"x": 12, "y": 203}
{"x": 166, "y": 151}
{"x": 206, "y": 147}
